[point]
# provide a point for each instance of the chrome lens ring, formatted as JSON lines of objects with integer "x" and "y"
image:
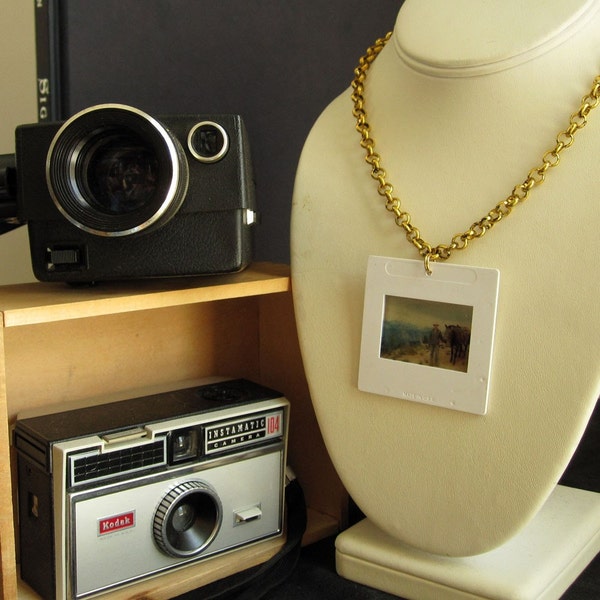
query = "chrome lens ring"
{"x": 112, "y": 170}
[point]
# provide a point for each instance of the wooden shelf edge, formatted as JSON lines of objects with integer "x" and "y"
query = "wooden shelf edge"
{"x": 30, "y": 304}
{"x": 202, "y": 573}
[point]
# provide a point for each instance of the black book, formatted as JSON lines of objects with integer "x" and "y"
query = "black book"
{"x": 48, "y": 61}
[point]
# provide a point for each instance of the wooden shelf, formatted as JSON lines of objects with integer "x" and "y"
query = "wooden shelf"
{"x": 32, "y": 303}
{"x": 62, "y": 344}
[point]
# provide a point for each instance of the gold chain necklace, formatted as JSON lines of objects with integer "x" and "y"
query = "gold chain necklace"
{"x": 519, "y": 194}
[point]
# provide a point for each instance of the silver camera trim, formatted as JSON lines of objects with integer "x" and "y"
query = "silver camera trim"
{"x": 169, "y": 198}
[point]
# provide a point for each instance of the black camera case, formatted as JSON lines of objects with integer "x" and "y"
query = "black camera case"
{"x": 197, "y": 218}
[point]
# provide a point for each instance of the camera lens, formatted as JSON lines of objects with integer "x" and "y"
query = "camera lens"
{"x": 119, "y": 172}
{"x": 187, "y": 519}
{"x": 113, "y": 170}
{"x": 208, "y": 141}
{"x": 184, "y": 516}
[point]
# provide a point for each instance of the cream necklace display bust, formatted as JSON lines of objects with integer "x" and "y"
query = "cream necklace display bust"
{"x": 463, "y": 101}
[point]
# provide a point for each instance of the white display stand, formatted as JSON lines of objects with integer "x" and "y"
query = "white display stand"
{"x": 540, "y": 563}
{"x": 464, "y": 99}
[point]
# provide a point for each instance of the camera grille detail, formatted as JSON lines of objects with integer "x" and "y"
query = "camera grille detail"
{"x": 91, "y": 467}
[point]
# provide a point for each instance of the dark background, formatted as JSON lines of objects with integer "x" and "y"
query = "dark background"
{"x": 278, "y": 63}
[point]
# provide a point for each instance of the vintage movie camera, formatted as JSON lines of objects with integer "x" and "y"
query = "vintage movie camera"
{"x": 115, "y": 493}
{"x": 114, "y": 193}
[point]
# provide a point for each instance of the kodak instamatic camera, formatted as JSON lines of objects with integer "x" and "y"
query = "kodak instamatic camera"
{"x": 115, "y": 493}
{"x": 114, "y": 193}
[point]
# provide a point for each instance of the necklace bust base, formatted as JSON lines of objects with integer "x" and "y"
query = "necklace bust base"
{"x": 540, "y": 563}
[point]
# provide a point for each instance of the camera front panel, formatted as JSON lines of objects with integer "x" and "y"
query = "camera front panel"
{"x": 119, "y": 534}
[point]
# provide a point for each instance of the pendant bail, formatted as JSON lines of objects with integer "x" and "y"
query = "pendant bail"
{"x": 427, "y": 261}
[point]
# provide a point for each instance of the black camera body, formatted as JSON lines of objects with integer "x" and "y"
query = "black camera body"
{"x": 113, "y": 193}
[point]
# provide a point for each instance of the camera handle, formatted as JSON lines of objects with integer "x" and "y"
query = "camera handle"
{"x": 254, "y": 583}
{"x": 8, "y": 193}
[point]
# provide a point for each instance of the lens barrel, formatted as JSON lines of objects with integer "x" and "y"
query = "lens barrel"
{"x": 112, "y": 170}
{"x": 187, "y": 519}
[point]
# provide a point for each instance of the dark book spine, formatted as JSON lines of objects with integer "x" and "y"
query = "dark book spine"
{"x": 47, "y": 43}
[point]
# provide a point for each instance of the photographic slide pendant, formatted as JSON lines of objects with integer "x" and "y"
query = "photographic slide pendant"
{"x": 429, "y": 338}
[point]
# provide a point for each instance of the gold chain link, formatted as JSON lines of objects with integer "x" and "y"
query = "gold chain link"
{"x": 519, "y": 194}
